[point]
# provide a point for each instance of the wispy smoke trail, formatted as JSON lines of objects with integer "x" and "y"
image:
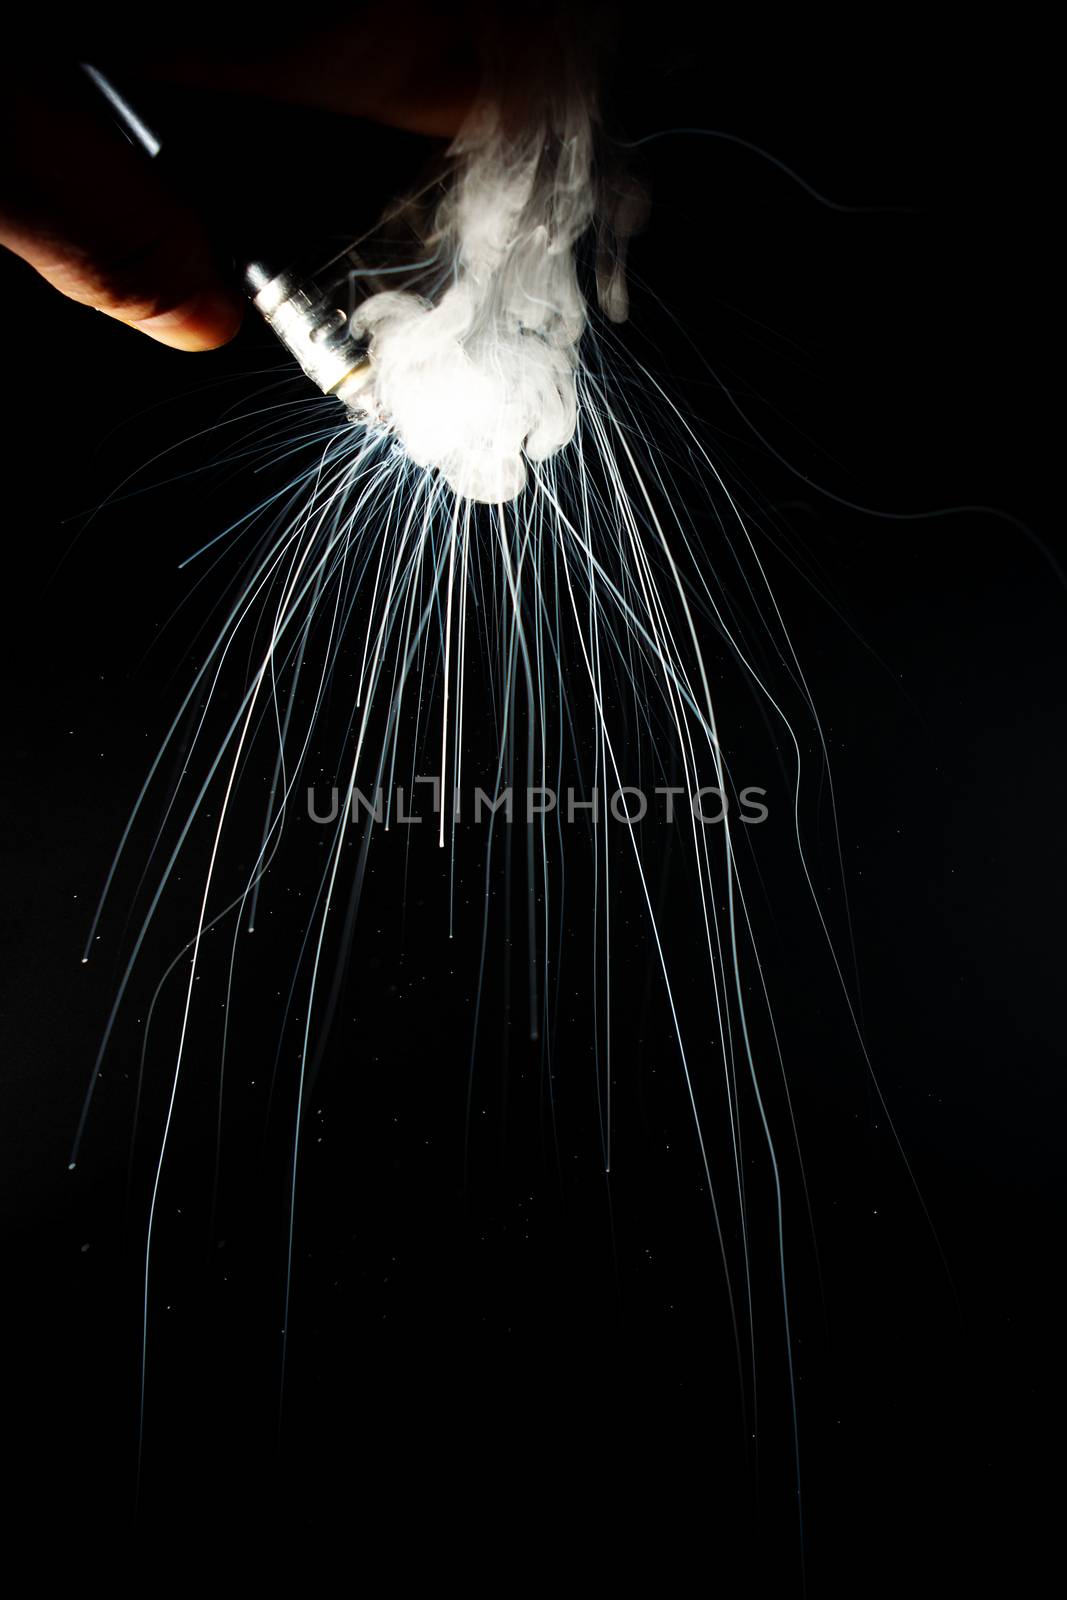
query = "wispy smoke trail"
{"x": 483, "y": 375}
{"x": 609, "y": 621}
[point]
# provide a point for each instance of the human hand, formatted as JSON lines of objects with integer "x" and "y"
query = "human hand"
{"x": 89, "y": 212}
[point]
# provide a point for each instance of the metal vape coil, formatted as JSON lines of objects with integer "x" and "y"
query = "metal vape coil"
{"x": 312, "y": 320}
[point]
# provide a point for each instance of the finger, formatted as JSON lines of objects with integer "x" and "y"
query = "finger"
{"x": 93, "y": 217}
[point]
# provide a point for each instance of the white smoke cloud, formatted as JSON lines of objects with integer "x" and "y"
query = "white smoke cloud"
{"x": 482, "y": 380}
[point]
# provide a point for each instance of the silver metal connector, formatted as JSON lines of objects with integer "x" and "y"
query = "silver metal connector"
{"x": 312, "y": 320}
{"x": 309, "y": 312}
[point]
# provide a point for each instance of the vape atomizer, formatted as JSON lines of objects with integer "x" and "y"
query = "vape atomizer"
{"x": 309, "y": 311}
{"x": 310, "y": 316}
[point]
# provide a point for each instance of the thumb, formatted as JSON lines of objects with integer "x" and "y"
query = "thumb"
{"x": 93, "y": 217}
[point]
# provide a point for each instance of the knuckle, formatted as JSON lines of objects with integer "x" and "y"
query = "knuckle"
{"x": 146, "y": 280}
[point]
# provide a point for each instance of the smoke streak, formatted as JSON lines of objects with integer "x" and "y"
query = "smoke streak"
{"x": 481, "y": 379}
{"x": 504, "y": 489}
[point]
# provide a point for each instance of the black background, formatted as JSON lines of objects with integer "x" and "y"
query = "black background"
{"x": 490, "y": 1370}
